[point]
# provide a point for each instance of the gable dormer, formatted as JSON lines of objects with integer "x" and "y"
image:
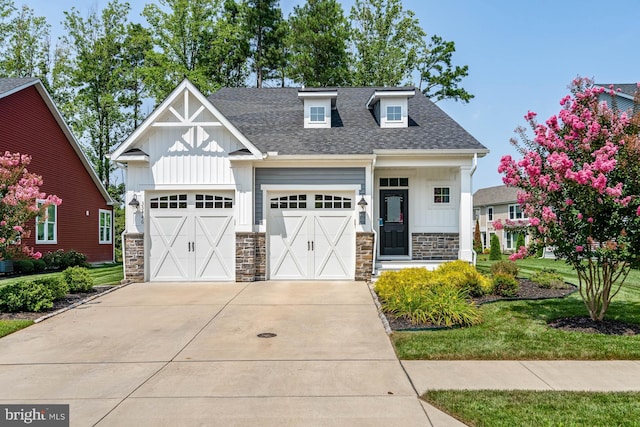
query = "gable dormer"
{"x": 391, "y": 106}
{"x": 318, "y": 104}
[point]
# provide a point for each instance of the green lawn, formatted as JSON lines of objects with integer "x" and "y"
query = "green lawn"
{"x": 517, "y": 330}
{"x": 104, "y": 275}
{"x": 533, "y": 408}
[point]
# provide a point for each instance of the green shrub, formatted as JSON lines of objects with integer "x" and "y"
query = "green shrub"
{"x": 505, "y": 266}
{"x": 505, "y": 285}
{"x": 464, "y": 276}
{"x": 23, "y": 266}
{"x": 78, "y": 279}
{"x": 59, "y": 288}
{"x": 52, "y": 259}
{"x": 39, "y": 265}
{"x": 73, "y": 259}
{"x": 548, "y": 278}
{"x": 519, "y": 241}
{"x": 495, "y": 253}
{"x": 25, "y": 296}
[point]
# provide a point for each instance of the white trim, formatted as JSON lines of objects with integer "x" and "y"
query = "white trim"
{"x": 309, "y": 187}
{"x": 53, "y": 241}
{"x": 186, "y": 187}
{"x": 389, "y": 94}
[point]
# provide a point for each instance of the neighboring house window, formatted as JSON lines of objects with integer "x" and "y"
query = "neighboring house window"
{"x": 316, "y": 114}
{"x": 209, "y": 201}
{"x": 476, "y": 214}
{"x": 441, "y": 195}
{"x": 394, "y": 182}
{"x": 510, "y": 239}
{"x": 515, "y": 212}
{"x": 46, "y": 227}
{"x": 105, "y": 226}
{"x": 490, "y": 214}
{"x": 394, "y": 113}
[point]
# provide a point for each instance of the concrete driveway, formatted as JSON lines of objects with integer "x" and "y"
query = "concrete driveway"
{"x": 185, "y": 354}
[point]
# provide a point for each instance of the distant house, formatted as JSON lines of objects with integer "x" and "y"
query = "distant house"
{"x": 623, "y": 101}
{"x": 31, "y": 124}
{"x": 497, "y": 203}
{"x": 295, "y": 184}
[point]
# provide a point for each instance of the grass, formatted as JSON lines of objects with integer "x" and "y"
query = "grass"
{"x": 534, "y": 408}
{"x": 517, "y": 330}
{"x": 110, "y": 274}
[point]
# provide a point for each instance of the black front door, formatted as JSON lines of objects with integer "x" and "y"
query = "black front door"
{"x": 394, "y": 222}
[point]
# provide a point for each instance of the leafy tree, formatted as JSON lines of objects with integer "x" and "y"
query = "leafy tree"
{"x": 6, "y": 9}
{"x": 266, "y": 29}
{"x": 21, "y": 201}
{"x": 386, "y": 42}
{"x": 25, "y": 50}
{"x": 94, "y": 68}
{"x": 495, "y": 251}
{"x": 201, "y": 40}
{"x": 137, "y": 44}
{"x": 579, "y": 188}
{"x": 441, "y": 79}
{"x": 477, "y": 238}
{"x": 318, "y": 41}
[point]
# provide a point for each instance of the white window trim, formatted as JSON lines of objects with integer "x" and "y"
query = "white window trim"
{"x": 100, "y": 241}
{"x": 433, "y": 194}
{"x": 394, "y": 120}
{"x": 53, "y": 241}
{"x": 490, "y": 217}
{"x": 516, "y": 206}
{"x": 324, "y": 114}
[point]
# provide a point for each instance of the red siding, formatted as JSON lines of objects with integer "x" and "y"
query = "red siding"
{"x": 28, "y": 126}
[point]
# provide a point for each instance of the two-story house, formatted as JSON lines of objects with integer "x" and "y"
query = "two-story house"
{"x": 295, "y": 184}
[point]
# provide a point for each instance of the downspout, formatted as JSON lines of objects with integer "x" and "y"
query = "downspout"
{"x": 373, "y": 228}
{"x": 474, "y": 255}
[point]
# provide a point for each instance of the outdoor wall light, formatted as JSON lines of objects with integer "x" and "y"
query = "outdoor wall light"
{"x": 363, "y": 203}
{"x": 134, "y": 203}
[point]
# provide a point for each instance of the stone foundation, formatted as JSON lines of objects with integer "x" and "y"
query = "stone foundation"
{"x": 435, "y": 246}
{"x": 134, "y": 257}
{"x": 250, "y": 257}
{"x": 364, "y": 255}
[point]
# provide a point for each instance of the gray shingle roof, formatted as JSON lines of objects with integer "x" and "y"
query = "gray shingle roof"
{"x": 626, "y": 88}
{"x": 495, "y": 196}
{"x": 7, "y": 84}
{"x": 272, "y": 119}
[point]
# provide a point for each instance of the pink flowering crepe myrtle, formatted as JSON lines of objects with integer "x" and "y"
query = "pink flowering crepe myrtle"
{"x": 578, "y": 181}
{"x": 19, "y": 197}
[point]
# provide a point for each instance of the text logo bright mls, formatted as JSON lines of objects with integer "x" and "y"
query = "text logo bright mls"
{"x": 34, "y": 415}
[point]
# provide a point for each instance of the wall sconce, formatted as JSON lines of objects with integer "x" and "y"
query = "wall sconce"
{"x": 134, "y": 203}
{"x": 363, "y": 215}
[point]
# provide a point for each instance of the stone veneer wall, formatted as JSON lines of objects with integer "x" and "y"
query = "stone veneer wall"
{"x": 134, "y": 257}
{"x": 250, "y": 257}
{"x": 364, "y": 255}
{"x": 435, "y": 246}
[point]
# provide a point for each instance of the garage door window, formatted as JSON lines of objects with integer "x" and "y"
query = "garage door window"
{"x": 209, "y": 201}
{"x": 295, "y": 201}
{"x": 327, "y": 201}
{"x": 174, "y": 201}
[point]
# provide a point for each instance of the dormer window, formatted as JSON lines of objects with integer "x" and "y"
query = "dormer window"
{"x": 317, "y": 115}
{"x": 390, "y": 106}
{"x": 394, "y": 113}
{"x": 318, "y": 104}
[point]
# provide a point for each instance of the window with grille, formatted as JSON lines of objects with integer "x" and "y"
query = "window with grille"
{"x": 294, "y": 201}
{"x": 327, "y": 201}
{"x": 174, "y": 201}
{"x": 394, "y": 182}
{"x": 210, "y": 201}
{"x": 441, "y": 195}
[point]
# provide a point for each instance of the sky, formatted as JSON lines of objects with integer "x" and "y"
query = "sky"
{"x": 522, "y": 56}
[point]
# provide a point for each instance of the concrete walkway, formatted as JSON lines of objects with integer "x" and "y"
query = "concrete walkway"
{"x": 185, "y": 354}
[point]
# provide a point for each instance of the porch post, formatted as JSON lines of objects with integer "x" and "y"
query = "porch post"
{"x": 466, "y": 215}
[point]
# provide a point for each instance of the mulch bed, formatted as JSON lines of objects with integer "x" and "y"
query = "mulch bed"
{"x": 531, "y": 291}
{"x": 67, "y": 301}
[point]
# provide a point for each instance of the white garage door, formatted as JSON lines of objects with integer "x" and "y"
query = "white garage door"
{"x": 311, "y": 236}
{"x": 191, "y": 237}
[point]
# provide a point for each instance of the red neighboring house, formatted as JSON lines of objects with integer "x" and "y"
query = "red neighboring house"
{"x": 31, "y": 124}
